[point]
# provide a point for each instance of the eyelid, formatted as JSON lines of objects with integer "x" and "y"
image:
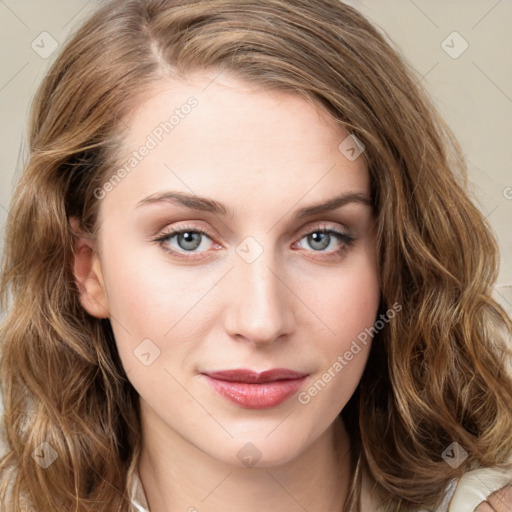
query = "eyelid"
{"x": 324, "y": 226}
{"x": 167, "y": 232}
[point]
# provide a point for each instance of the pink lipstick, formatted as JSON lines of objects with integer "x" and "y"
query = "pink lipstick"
{"x": 253, "y": 390}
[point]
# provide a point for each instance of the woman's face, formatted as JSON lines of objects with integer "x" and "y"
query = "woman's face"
{"x": 262, "y": 289}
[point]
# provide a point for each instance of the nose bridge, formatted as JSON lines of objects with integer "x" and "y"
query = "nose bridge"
{"x": 260, "y": 309}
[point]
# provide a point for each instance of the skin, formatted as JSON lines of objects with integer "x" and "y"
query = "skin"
{"x": 264, "y": 154}
{"x": 498, "y": 501}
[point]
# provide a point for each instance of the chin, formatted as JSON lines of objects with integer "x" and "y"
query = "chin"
{"x": 260, "y": 452}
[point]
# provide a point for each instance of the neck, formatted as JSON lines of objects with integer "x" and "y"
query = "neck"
{"x": 176, "y": 475}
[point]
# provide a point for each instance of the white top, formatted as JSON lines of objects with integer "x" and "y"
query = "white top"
{"x": 471, "y": 490}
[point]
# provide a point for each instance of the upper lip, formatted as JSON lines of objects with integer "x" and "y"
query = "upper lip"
{"x": 252, "y": 377}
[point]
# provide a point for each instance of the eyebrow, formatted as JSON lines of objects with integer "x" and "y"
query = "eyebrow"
{"x": 205, "y": 204}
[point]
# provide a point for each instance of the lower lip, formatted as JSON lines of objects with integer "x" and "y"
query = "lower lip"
{"x": 256, "y": 396}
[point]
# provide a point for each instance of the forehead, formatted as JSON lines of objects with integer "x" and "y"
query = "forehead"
{"x": 222, "y": 137}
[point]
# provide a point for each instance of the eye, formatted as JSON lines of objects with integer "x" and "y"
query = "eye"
{"x": 187, "y": 238}
{"x": 323, "y": 237}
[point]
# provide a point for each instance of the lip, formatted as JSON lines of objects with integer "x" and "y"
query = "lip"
{"x": 253, "y": 390}
{"x": 252, "y": 377}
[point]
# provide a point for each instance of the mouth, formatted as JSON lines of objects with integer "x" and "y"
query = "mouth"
{"x": 253, "y": 390}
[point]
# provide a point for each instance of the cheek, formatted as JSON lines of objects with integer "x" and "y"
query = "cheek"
{"x": 155, "y": 309}
{"x": 346, "y": 301}
{"x": 145, "y": 293}
{"x": 141, "y": 308}
{"x": 135, "y": 296}
{"x": 350, "y": 311}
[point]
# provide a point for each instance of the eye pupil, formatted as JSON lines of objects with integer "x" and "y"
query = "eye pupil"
{"x": 317, "y": 237}
{"x": 188, "y": 238}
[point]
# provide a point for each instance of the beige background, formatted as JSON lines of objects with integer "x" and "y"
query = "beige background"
{"x": 473, "y": 91}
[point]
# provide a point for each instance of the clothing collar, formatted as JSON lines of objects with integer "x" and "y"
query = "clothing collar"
{"x": 137, "y": 494}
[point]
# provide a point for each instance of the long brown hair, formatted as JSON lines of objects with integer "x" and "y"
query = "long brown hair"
{"x": 437, "y": 372}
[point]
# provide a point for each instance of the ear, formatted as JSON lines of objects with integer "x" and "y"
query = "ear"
{"x": 88, "y": 275}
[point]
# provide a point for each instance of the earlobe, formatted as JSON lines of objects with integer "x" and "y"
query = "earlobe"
{"x": 87, "y": 273}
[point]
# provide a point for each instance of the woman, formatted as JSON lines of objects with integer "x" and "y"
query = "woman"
{"x": 245, "y": 274}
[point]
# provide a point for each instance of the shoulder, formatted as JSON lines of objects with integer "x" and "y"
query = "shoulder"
{"x": 463, "y": 495}
{"x": 477, "y": 486}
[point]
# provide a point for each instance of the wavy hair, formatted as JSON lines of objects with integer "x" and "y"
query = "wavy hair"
{"x": 437, "y": 373}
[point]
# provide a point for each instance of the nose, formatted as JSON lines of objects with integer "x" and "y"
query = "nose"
{"x": 259, "y": 306}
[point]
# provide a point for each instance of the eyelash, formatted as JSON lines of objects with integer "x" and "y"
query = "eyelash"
{"x": 346, "y": 240}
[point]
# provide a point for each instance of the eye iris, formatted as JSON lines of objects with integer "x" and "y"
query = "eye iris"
{"x": 313, "y": 239}
{"x": 188, "y": 238}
